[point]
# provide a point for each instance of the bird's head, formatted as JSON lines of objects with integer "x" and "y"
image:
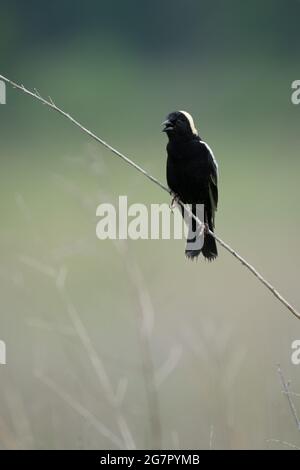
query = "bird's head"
{"x": 180, "y": 124}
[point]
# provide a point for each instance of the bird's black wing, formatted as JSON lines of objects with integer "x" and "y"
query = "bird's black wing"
{"x": 213, "y": 181}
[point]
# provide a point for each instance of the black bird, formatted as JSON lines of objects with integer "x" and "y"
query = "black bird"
{"x": 192, "y": 175}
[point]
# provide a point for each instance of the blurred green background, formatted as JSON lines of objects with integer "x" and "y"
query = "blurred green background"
{"x": 79, "y": 370}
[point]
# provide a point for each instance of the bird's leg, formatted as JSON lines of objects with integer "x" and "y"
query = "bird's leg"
{"x": 206, "y": 228}
{"x": 175, "y": 199}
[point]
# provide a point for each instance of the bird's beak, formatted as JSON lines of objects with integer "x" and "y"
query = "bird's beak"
{"x": 168, "y": 126}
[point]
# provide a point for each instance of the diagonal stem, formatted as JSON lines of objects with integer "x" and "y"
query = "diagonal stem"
{"x": 50, "y": 103}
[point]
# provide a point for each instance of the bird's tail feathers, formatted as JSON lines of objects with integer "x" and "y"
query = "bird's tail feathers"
{"x": 209, "y": 250}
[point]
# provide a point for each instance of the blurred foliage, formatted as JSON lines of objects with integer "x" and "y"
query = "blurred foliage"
{"x": 156, "y": 27}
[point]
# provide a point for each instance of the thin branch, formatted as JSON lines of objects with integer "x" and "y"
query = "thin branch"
{"x": 227, "y": 247}
{"x": 169, "y": 365}
{"x": 115, "y": 399}
{"x": 98, "y": 365}
{"x": 211, "y": 437}
{"x": 112, "y": 398}
{"x": 80, "y": 409}
{"x": 145, "y": 320}
{"x": 294, "y": 394}
{"x": 284, "y": 443}
{"x": 286, "y": 391}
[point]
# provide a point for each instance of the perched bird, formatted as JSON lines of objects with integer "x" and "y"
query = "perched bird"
{"x": 192, "y": 175}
